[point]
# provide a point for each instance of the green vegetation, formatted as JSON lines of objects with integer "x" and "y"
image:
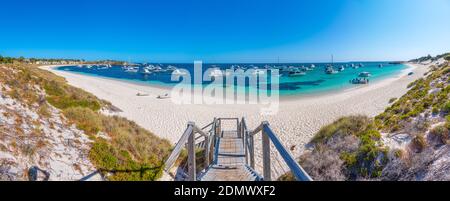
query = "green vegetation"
{"x": 392, "y": 100}
{"x": 417, "y": 100}
{"x": 369, "y": 157}
{"x": 85, "y": 119}
{"x": 129, "y": 153}
{"x": 441, "y": 133}
{"x": 447, "y": 57}
{"x": 419, "y": 143}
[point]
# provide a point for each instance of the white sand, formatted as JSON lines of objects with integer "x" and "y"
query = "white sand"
{"x": 296, "y": 122}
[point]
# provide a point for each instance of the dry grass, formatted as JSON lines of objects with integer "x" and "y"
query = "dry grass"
{"x": 132, "y": 153}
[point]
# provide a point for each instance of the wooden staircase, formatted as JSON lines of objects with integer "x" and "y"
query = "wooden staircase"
{"x": 229, "y": 154}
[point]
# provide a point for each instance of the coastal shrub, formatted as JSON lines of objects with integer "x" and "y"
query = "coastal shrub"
{"x": 323, "y": 164}
{"x": 392, "y": 100}
{"x": 367, "y": 156}
{"x": 419, "y": 143}
{"x": 440, "y": 133}
{"x": 199, "y": 160}
{"x": 85, "y": 119}
{"x": 447, "y": 58}
{"x": 399, "y": 153}
{"x": 63, "y": 97}
{"x": 343, "y": 126}
{"x": 44, "y": 110}
{"x": 140, "y": 143}
{"x": 435, "y": 110}
{"x": 120, "y": 165}
{"x": 446, "y": 107}
{"x": 132, "y": 153}
{"x": 288, "y": 176}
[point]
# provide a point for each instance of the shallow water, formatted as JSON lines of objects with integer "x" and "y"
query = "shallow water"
{"x": 315, "y": 81}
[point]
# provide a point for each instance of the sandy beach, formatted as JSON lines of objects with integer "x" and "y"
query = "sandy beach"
{"x": 296, "y": 122}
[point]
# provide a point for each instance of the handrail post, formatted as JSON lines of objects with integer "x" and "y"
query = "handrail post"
{"x": 238, "y": 127}
{"x": 266, "y": 154}
{"x": 207, "y": 147}
{"x": 252, "y": 152}
{"x": 245, "y": 146}
{"x": 215, "y": 127}
{"x": 191, "y": 155}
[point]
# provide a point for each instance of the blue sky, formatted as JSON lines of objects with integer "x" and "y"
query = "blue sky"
{"x": 225, "y": 30}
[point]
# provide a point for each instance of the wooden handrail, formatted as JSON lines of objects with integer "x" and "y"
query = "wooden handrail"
{"x": 188, "y": 138}
{"x": 299, "y": 173}
{"x": 178, "y": 147}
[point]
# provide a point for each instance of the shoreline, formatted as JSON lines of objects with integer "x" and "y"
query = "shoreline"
{"x": 282, "y": 98}
{"x": 297, "y": 120}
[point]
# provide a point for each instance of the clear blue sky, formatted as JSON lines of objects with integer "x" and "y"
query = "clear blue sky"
{"x": 225, "y": 30}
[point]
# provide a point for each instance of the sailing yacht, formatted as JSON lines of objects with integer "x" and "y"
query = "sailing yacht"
{"x": 330, "y": 69}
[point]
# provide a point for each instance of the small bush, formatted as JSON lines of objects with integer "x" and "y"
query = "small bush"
{"x": 343, "y": 126}
{"x": 419, "y": 143}
{"x": 120, "y": 164}
{"x": 441, "y": 133}
{"x": 399, "y": 153}
{"x": 44, "y": 110}
{"x": 447, "y": 58}
{"x": 85, "y": 119}
{"x": 446, "y": 107}
{"x": 287, "y": 177}
{"x": 392, "y": 100}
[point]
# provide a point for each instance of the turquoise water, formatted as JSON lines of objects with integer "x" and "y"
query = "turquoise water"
{"x": 315, "y": 81}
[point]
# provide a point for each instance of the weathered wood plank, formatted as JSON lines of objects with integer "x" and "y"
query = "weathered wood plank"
{"x": 191, "y": 158}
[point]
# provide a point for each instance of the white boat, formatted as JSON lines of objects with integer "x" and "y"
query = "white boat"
{"x": 158, "y": 69}
{"x": 330, "y": 70}
{"x": 146, "y": 71}
{"x": 178, "y": 72}
{"x": 359, "y": 81}
{"x": 286, "y": 69}
{"x": 341, "y": 68}
{"x": 296, "y": 73}
{"x": 103, "y": 68}
{"x": 380, "y": 66}
{"x": 215, "y": 73}
{"x": 259, "y": 72}
{"x": 171, "y": 68}
{"x": 364, "y": 74}
{"x": 312, "y": 66}
{"x": 130, "y": 69}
